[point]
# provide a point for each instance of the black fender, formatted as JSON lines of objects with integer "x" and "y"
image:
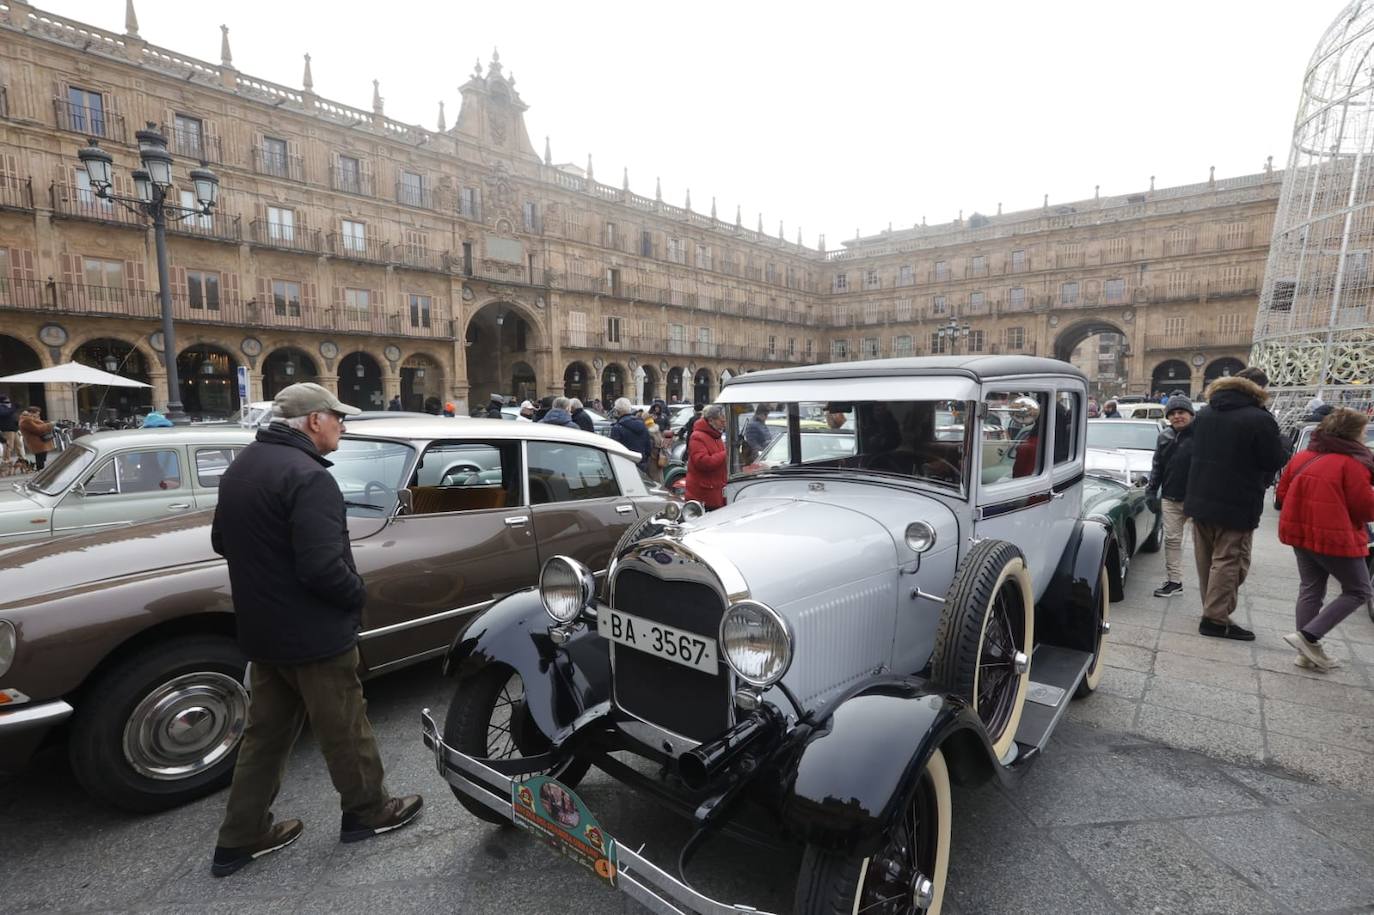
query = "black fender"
{"x": 857, "y": 770}
{"x": 561, "y": 681}
{"x": 1067, "y": 612}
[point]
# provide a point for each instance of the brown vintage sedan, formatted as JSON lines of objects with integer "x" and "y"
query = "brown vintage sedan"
{"x": 122, "y": 642}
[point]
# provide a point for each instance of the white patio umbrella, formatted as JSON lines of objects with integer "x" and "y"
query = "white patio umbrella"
{"x": 74, "y": 374}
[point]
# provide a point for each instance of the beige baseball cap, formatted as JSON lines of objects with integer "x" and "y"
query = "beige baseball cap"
{"x": 305, "y": 398}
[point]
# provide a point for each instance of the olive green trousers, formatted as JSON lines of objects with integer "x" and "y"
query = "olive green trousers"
{"x": 283, "y": 696}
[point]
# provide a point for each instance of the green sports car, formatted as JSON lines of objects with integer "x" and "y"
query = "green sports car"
{"x": 1136, "y": 528}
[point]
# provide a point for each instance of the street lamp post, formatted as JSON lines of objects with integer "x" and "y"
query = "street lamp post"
{"x": 153, "y": 183}
{"x": 953, "y": 332}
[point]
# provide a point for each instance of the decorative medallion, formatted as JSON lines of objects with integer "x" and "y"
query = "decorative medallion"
{"x": 329, "y": 349}
{"x": 1128, "y": 316}
{"x": 467, "y": 294}
{"x": 663, "y": 366}
{"x": 53, "y": 334}
{"x": 392, "y": 353}
{"x": 1198, "y": 360}
{"x": 1054, "y": 320}
{"x": 155, "y": 340}
{"x": 597, "y": 363}
{"x": 633, "y": 364}
{"x": 251, "y": 346}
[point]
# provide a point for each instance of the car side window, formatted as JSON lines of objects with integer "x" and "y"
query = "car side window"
{"x": 148, "y": 471}
{"x": 1067, "y": 406}
{"x": 566, "y": 473}
{"x": 466, "y": 476}
{"x": 211, "y": 464}
{"x": 1013, "y": 433}
{"x": 103, "y": 482}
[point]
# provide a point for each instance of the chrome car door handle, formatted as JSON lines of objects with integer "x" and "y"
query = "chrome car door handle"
{"x": 178, "y": 506}
{"x": 517, "y": 521}
{"x": 624, "y": 509}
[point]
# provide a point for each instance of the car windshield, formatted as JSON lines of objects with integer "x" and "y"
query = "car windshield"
{"x": 1115, "y": 433}
{"x": 369, "y": 473}
{"x": 913, "y": 439}
{"x": 59, "y": 474}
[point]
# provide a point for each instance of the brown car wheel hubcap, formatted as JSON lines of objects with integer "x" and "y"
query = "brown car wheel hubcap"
{"x": 186, "y": 725}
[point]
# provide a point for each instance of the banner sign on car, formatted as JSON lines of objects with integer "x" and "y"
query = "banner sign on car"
{"x": 554, "y": 812}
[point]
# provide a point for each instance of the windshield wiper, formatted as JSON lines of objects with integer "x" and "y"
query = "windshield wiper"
{"x": 376, "y": 508}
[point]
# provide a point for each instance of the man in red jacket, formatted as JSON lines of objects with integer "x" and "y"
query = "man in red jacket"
{"x": 706, "y": 470}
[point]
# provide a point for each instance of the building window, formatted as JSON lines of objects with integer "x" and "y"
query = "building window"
{"x": 939, "y": 305}
{"x": 841, "y": 283}
{"x": 85, "y": 193}
{"x": 103, "y": 274}
{"x": 531, "y": 213}
{"x": 677, "y": 252}
{"x": 1175, "y": 326}
{"x": 646, "y": 243}
{"x": 1177, "y": 284}
{"x": 979, "y": 265}
{"x": 86, "y": 111}
{"x": 1068, "y": 293}
{"x": 840, "y": 316}
{"x": 612, "y": 330}
{"x": 1016, "y": 338}
{"x": 350, "y": 175}
{"x": 810, "y": 347}
{"x": 772, "y": 345}
{"x": 906, "y": 276}
{"x": 469, "y": 203}
{"x": 421, "y": 309}
{"x": 411, "y": 189}
{"x": 941, "y": 270}
{"x": 274, "y": 161}
{"x": 977, "y": 300}
{"x": 1116, "y": 249}
{"x": 608, "y": 235}
{"x": 901, "y": 346}
{"x": 770, "y": 272}
{"x": 200, "y": 221}
{"x": 872, "y": 280}
{"x": 188, "y": 136}
{"x": 902, "y": 310}
{"x": 977, "y": 341}
{"x": 839, "y": 349}
{"x": 1235, "y": 235}
{"x": 1179, "y": 240}
{"x": 1114, "y": 291}
{"x": 870, "y": 347}
{"x": 613, "y": 281}
{"x": 356, "y": 304}
{"x": 677, "y": 336}
{"x": 286, "y": 298}
{"x": 703, "y": 257}
{"x": 281, "y": 224}
{"x": 202, "y": 290}
{"x": 1019, "y": 263}
{"x": 1016, "y": 297}
{"x": 1070, "y": 254}
{"x": 1229, "y": 324}
{"x": 872, "y": 313}
{"x": 354, "y": 236}
{"x": 937, "y": 343}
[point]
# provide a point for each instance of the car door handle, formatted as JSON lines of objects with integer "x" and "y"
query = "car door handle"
{"x": 1060, "y": 494}
{"x": 625, "y": 509}
{"x": 517, "y": 521}
{"x": 178, "y": 506}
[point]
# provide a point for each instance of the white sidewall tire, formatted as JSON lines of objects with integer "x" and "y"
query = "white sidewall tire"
{"x": 1015, "y": 569}
{"x": 1094, "y": 675}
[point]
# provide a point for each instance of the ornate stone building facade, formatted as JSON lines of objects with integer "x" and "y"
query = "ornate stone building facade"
{"x": 381, "y": 258}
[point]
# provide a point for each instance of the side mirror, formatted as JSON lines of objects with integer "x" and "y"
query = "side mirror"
{"x": 405, "y": 500}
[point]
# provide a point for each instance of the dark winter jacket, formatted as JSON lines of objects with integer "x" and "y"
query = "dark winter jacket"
{"x": 1237, "y": 449}
{"x": 1327, "y": 501}
{"x": 631, "y": 432}
{"x": 559, "y": 418}
{"x": 280, "y": 523}
{"x": 9, "y": 417}
{"x": 757, "y": 433}
{"x": 494, "y": 411}
{"x": 583, "y": 420}
{"x": 1173, "y": 457}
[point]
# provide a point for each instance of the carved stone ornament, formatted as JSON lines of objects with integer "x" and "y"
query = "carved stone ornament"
{"x": 53, "y": 334}
{"x": 250, "y": 347}
{"x": 663, "y": 366}
{"x": 329, "y": 349}
{"x": 1054, "y": 320}
{"x": 633, "y": 364}
{"x": 1198, "y": 360}
{"x": 597, "y": 363}
{"x": 392, "y": 353}
{"x": 1128, "y": 316}
{"x": 155, "y": 340}
{"x": 468, "y": 295}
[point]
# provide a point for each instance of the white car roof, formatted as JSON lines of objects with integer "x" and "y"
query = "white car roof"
{"x": 445, "y": 427}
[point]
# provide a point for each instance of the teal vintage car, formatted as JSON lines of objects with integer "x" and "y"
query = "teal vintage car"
{"x": 115, "y": 478}
{"x": 1125, "y": 509}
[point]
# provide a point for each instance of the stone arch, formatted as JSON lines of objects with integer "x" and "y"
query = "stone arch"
{"x": 1172, "y": 375}
{"x": 208, "y": 393}
{"x": 151, "y": 357}
{"x": 422, "y": 383}
{"x": 653, "y": 388}
{"x": 360, "y": 380}
{"x": 615, "y": 382}
{"x": 1070, "y": 337}
{"x": 523, "y": 381}
{"x": 577, "y": 380}
{"x": 17, "y": 356}
{"x": 498, "y": 333}
{"x": 672, "y": 385}
{"x": 120, "y": 357}
{"x": 702, "y": 385}
{"x": 284, "y": 366}
{"x": 1220, "y": 368}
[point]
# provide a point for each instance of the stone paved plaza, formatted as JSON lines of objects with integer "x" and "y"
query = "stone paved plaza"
{"x": 1205, "y": 777}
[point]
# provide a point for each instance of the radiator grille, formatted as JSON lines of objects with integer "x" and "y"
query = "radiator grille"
{"x": 675, "y": 698}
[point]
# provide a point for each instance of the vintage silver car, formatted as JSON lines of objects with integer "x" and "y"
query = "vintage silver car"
{"x": 817, "y": 660}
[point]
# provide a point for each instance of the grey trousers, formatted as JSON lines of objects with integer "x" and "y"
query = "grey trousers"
{"x": 1352, "y": 573}
{"x": 1174, "y": 522}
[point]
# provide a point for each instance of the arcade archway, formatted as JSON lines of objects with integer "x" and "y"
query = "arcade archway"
{"x": 1098, "y": 348}
{"x": 422, "y": 385}
{"x": 1172, "y": 375}
{"x": 286, "y": 366}
{"x": 1221, "y": 368}
{"x": 575, "y": 381}
{"x": 613, "y": 379}
{"x": 701, "y": 386}
{"x": 522, "y": 382}
{"x": 15, "y": 357}
{"x": 498, "y": 336}
{"x": 651, "y": 384}
{"x": 102, "y": 404}
{"x": 360, "y": 382}
{"x": 673, "y": 386}
{"x": 209, "y": 383}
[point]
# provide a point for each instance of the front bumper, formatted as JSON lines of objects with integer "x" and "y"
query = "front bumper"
{"x": 635, "y": 875}
{"x": 22, "y": 730}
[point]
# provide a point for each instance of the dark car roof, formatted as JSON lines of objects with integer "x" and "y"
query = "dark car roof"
{"x": 979, "y": 368}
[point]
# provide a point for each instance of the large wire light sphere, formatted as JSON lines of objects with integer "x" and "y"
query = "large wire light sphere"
{"x": 1314, "y": 335}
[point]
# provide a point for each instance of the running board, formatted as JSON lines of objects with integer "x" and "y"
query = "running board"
{"x": 1055, "y": 674}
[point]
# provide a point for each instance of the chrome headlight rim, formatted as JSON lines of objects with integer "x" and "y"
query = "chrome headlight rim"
{"x": 9, "y": 646}
{"x": 692, "y": 509}
{"x": 670, "y": 512}
{"x": 789, "y": 639}
{"x": 582, "y": 578}
{"x": 919, "y": 536}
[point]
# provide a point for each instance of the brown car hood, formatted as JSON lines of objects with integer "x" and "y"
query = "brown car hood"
{"x": 149, "y": 549}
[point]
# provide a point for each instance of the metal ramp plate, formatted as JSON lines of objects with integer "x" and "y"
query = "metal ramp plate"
{"x": 1055, "y": 674}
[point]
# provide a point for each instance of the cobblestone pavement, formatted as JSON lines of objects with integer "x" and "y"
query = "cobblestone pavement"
{"x": 1204, "y": 777}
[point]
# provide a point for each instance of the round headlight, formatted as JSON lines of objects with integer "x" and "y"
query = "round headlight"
{"x": 756, "y": 642}
{"x": 566, "y": 588}
{"x": 692, "y": 510}
{"x": 671, "y": 511}
{"x": 920, "y": 536}
{"x": 8, "y": 643}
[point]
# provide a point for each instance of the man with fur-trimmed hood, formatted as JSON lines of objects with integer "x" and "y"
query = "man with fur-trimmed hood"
{"x": 1237, "y": 449}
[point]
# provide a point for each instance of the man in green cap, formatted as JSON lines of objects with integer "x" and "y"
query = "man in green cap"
{"x": 298, "y": 600}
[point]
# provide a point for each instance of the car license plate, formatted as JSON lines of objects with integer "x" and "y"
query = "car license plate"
{"x": 685, "y": 648}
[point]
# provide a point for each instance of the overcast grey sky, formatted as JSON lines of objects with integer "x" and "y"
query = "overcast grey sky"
{"x": 830, "y": 116}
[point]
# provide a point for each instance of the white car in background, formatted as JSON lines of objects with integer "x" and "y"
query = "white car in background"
{"x": 1123, "y": 448}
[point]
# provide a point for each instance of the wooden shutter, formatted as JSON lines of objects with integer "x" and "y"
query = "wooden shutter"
{"x": 309, "y": 299}
{"x": 229, "y": 291}
{"x": 181, "y": 292}
{"x": 265, "y": 306}
{"x": 135, "y": 276}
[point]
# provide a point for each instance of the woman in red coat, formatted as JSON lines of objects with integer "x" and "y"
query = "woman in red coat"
{"x": 706, "y": 468}
{"x": 1328, "y": 501}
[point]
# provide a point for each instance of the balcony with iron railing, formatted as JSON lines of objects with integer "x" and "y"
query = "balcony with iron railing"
{"x": 89, "y": 121}
{"x": 352, "y": 181}
{"x": 366, "y": 250}
{"x": 285, "y": 236}
{"x": 573, "y": 339}
{"x": 197, "y": 145}
{"x": 16, "y": 193}
{"x": 419, "y": 257}
{"x": 214, "y": 226}
{"x": 81, "y": 203}
{"x": 4, "y": 102}
{"x": 415, "y": 196}
{"x": 1208, "y": 339}
{"x": 278, "y": 165}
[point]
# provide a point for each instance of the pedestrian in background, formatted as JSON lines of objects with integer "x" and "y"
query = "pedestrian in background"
{"x": 580, "y": 415}
{"x": 1327, "y": 494}
{"x": 756, "y": 431}
{"x": 658, "y": 454}
{"x": 527, "y": 409}
{"x": 630, "y": 431}
{"x": 545, "y": 405}
{"x": 558, "y": 414}
{"x": 38, "y": 434}
{"x": 9, "y": 430}
{"x": 1168, "y": 486}
{"x": 1109, "y": 410}
{"x": 494, "y": 404}
{"x": 706, "y": 464}
{"x": 394, "y": 405}
{"x": 281, "y": 525}
{"x": 1237, "y": 449}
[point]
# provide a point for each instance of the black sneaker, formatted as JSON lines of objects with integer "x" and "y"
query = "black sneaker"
{"x": 399, "y": 811}
{"x": 228, "y": 860}
{"x": 1169, "y": 589}
{"x": 1225, "y": 631}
